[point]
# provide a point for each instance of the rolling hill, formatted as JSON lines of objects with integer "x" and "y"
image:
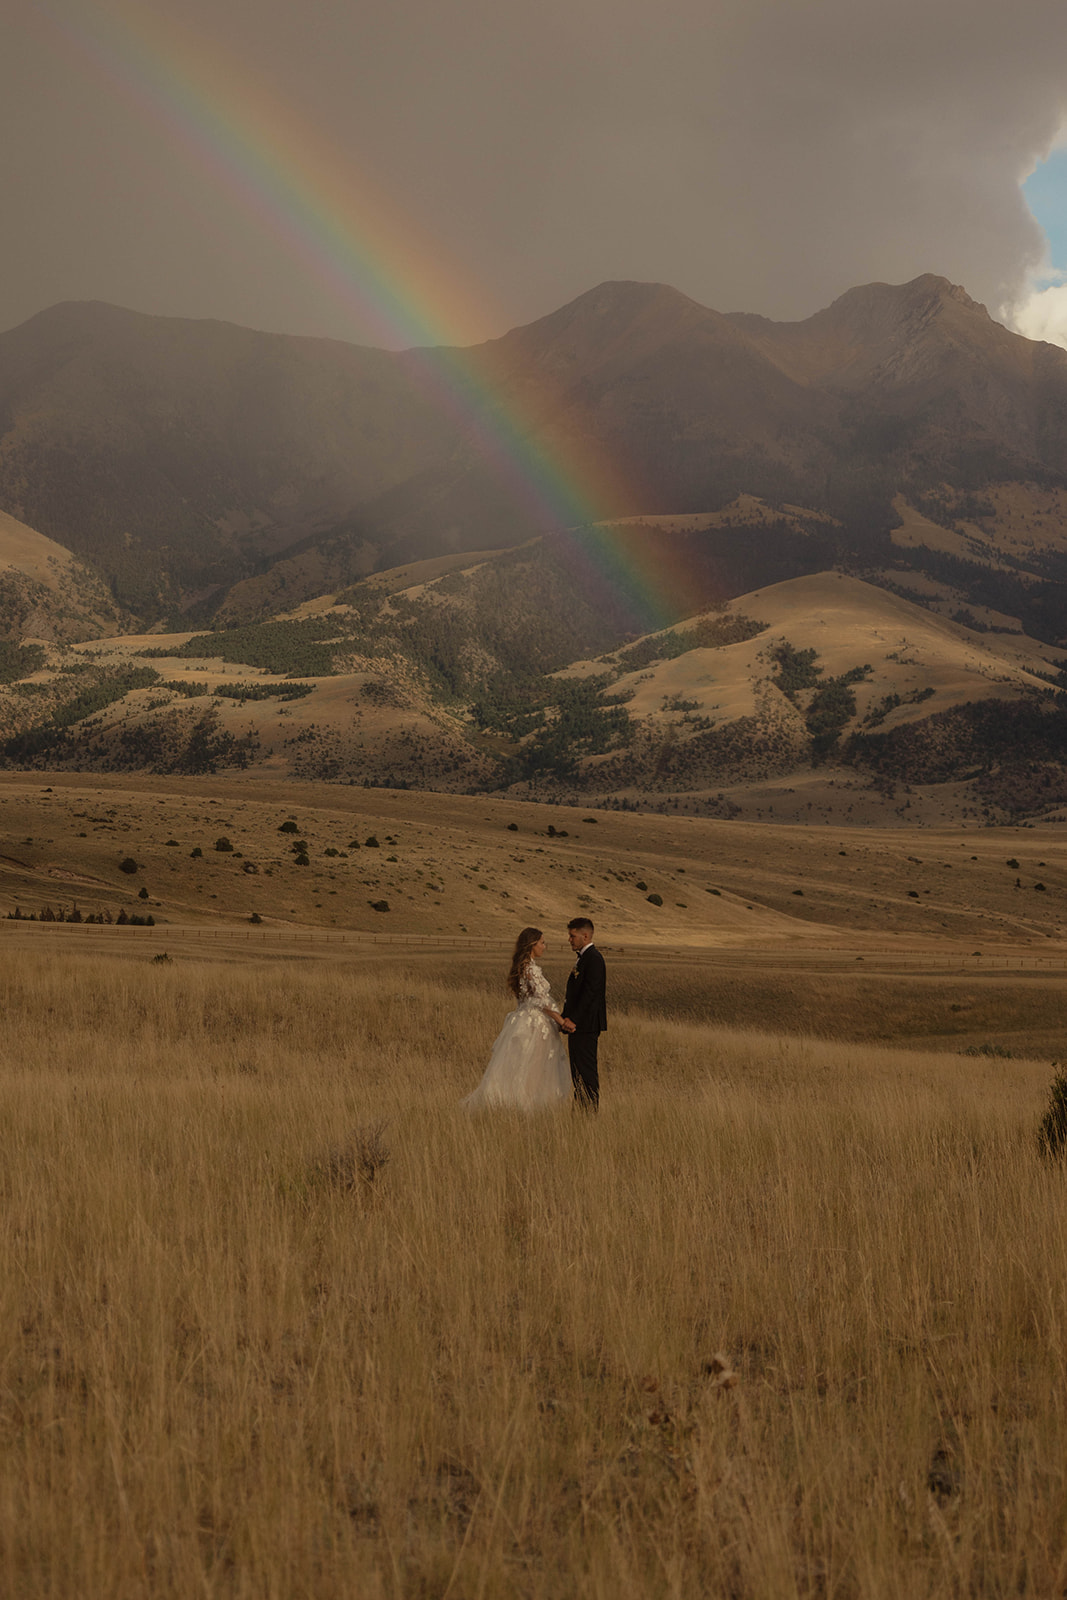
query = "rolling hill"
{"x": 448, "y": 866}
{"x": 46, "y": 593}
{"x": 821, "y": 686}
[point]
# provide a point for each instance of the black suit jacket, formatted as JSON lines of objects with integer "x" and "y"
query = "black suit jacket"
{"x": 585, "y": 1004}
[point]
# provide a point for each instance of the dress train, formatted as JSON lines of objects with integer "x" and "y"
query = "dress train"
{"x": 529, "y": 1065}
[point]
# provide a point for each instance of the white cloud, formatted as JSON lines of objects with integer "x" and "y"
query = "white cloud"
{"x": 1042, "y": 312}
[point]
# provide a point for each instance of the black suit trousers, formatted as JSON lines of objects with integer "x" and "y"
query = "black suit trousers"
{"x": 582, "y": 1048}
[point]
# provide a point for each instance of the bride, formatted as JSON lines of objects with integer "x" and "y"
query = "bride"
{"x": 528, "y": 1065}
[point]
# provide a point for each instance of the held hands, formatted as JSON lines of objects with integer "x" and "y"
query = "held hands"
{"x": 566, "y": 1025}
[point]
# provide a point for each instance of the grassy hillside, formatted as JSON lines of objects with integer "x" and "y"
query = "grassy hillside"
{"x": 460, "y": 675}
{"x": 46, "y": 593}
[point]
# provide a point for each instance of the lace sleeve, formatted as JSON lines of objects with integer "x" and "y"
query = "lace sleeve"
{"x": 534, "y": 987}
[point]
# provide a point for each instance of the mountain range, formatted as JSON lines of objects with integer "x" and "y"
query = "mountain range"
{"x": 320, "y": 511}
{"x": 184, "y": 458}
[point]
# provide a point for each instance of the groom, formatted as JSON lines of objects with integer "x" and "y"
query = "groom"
{"x": 584, "y": 1012}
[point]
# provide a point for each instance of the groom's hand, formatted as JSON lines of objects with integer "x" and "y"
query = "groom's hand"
{"x": 566, "y": 1026}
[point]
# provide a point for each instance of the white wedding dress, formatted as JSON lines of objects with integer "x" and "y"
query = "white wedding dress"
{"x": 529, "y": 1065}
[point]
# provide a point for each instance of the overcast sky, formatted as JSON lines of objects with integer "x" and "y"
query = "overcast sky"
{"x": 488, "y": 160}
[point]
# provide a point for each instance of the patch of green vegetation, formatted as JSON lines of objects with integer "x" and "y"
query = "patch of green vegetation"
{"x": 286, "y": 648}
{"x": 708, "y": 634}
{"x": 832, "y": 705}
{"x": 796, "y": 669}
{"x": 96, "y": 697}
{"x": 560, "y": 720}
{"x": 183, "y": 686}
{"x": 877, "y": 714}
{"x": 1013, "y": 751}
{"x": 263, "y": 691}
{"x": 20, "y": 660}
{"x": 172, "y": 745}
{"x": 110, "y": 686}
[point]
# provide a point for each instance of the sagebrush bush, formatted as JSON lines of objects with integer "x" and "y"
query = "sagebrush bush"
{"x": 1052, "y": 1133}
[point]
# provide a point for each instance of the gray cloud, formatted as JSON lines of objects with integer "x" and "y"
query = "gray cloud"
{"x": 757, "y": 154}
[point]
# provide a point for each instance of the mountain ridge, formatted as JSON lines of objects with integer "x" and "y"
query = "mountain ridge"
{"x": 188, "y": 460}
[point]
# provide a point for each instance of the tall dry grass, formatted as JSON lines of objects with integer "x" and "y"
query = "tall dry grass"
{"x": 232, "y": 1366}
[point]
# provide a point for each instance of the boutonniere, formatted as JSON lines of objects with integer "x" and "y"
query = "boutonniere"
{"x": 574, "y": 974}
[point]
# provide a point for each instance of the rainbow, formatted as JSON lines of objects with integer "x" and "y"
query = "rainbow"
{"x": 362, "y": 252}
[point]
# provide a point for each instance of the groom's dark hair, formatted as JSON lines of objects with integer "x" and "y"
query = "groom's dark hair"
{"x": 580, "y": 922}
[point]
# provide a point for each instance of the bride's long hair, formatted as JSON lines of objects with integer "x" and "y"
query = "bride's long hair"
{"x": 521, "y": 959}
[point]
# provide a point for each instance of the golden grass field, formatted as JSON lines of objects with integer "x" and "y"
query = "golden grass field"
{"x": 787, "y": 1319}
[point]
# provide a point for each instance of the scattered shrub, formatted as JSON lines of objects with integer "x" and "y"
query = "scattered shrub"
{"x": 223, "y": 844}
{"x": 513, "y": 827}
{"x": 1052, "y": 1132}
{"x": 378, "y": 905}
{"x": 129, "y": 865}
{"x": 372, "y": 843}
{"x": 288, "y": 826}
{"x": 142, "y": 893}
{"x": 302, "y": 860}
{"x": 195, "y": 853}
{"x": 655, "y": 899}
{"x": 255, "y": 918}
{"x": 358, "y": 1161}
{"x": 640, "y": 885}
